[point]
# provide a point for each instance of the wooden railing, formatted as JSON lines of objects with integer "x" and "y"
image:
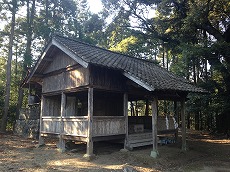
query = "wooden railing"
{"x": 78, "y": 126}
{"x": 74, "y": 126}
{"x": 51, "y": 124}
{"x": 108, "y": 125}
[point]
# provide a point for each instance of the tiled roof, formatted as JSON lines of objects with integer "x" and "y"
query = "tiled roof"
{"x": 144, "y": 72}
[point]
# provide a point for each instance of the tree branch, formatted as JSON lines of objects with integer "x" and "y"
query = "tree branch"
{"x": 207, "y": 26}
{"x": 226, "y": 35}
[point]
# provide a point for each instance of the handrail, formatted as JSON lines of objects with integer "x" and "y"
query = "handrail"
{"x": 65, "y": 117}
{"x": 75, "y": 117}
{"x": 81, "y": 117}
{"x": 51, "y": 117}
{"x": 108, "y": 117}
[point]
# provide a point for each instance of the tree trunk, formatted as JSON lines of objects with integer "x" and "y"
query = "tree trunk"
{"x": 27, "y": 56}
{"x": 46, "y": 34}
{"x": 194, "y": 70}
{"x": 136, "y": 108}
{"x": 188, "y": 121}
{"x": 188, "y": 73}
{"x": 197, "y": 120}
{"x": 201, "y": 120}
{"x": 8, "y": 70}
{"x": 163, "y": 56}
{"x": 167, "y": 59}
{"x": 165, "y": 106}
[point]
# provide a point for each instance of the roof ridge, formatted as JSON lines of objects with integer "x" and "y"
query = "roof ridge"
{"x": 88, "y": 44}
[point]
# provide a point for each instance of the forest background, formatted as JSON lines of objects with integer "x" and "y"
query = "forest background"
{"x": 191, "y": 38}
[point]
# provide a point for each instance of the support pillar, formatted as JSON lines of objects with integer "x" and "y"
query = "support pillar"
{"x": 176, "y": 116}
{"x": 125, "y": 111}
{"x": 154, "y": 152}
{"x": 89, "y": 150}
{"x": 183, "y": 126}
{"x": 41, "y": 139}
{"x": 61, "y": 144}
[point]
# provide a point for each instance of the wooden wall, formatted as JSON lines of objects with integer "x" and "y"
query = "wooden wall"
{"x": 66, "y": 80}
{"x": 106, "y": 126}
{"x": 60, "y": 61}
{"x": 107, "y": 79}
{"x": 65, "y": 73}
{"x": 76, "y": 126}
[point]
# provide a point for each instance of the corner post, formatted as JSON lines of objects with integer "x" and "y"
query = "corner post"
{"x": 61, "y": 144}
{"x": 41, "y": 139}
{"x": 125, "y": 111}
{"x": 183, "y": 122}
{"x": 89, "y": 152}
{"x": 154, "y": 152}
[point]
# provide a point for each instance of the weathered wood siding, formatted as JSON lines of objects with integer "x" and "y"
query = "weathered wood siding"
{"x": 139, "y": 139}
{"x": 60, "y": 61}
{"x": 107, "y": 126}
{"x": 51, "y": 125}
{"x": 66, "y": 80}
{"x": 63, "y": 73}
{"x": 76, "y": 126}
{"x": 107, "y": 79}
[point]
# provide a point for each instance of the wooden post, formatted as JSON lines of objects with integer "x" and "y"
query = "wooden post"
{"x": 61, "y": 140}
{"x": 176, "y": 115}
{"x": 183, "y": 125}
{"x": 41, "y": 139}
{"x": 89, "y": 152}
{"x": 154, "y": 152}
{"x": 125, "y": 111}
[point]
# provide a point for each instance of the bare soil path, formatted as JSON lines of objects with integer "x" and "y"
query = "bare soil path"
{"x": 206, "y": 153}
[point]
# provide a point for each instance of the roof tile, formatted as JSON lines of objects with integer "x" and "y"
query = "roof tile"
{"x": 145, "y": 71}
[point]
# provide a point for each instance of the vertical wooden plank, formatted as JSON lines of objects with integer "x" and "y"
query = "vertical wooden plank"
{"x": 61, "y": 140}
{"x": 183, "y": 122}
{"x": 125, "y": 111}
{"x": 41, "y": 139}
{"x": 154, "y": 152}
{"x": 89, "y": 152}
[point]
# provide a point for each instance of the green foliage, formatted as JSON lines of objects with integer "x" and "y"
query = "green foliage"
{"x": 193, "y": 37}
{"x": 124, "y": 45}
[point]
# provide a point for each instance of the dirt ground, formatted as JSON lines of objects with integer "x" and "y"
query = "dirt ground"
{"x": 206, "y": 153}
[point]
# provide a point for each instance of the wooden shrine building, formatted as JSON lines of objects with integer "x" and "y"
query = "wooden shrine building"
{"x": 85, "y": 92}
